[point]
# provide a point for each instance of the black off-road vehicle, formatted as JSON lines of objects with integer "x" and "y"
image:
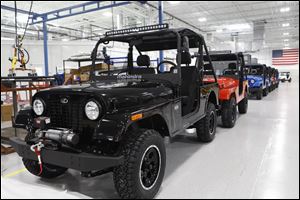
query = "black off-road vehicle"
{"x": 117, "y": 121}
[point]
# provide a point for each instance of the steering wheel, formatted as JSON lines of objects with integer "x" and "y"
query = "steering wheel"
{"x": 229, "y": 70}
{"x": 165, "y": 62}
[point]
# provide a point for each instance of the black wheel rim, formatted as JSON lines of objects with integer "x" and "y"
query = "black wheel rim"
{"x": 150, "y": 167}
{"x": 211, "y": 122}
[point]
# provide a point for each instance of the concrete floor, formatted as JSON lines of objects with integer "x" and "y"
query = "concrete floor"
{"x": 258, "y": 158}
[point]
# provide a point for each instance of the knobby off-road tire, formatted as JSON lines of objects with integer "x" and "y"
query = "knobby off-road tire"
{"x": 206, "y": 127}
{"x": 265, "y": 92}
{"x": 243, "y": 105}
{"x": 259, "y": 95}
{"x": 229, "y": 113}
{"x": 141, "y": 174}
{"x": 49, "y": 171}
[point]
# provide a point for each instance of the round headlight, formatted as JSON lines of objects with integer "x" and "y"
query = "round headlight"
{"x": 92, "y": 110}
{"x": 252, "y": 81}
{"x": 38, "y": 107}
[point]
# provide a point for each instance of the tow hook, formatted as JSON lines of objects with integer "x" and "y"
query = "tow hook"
{"x": 37, "y": 149}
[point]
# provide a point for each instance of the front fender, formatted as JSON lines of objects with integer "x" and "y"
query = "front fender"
{"x": 23, "y": 118}
{"x": 226, "y": 93}
{"x": 113, "y": 126}
{"x": 258, "y": 84}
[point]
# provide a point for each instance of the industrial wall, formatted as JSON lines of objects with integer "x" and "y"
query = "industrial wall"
{"x": 57, "y": 52}
{"x": 61, "y": 50}
{"x": 265, "y": 56}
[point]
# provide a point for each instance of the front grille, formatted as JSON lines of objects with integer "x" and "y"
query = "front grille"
{"x": 66, "y": 115}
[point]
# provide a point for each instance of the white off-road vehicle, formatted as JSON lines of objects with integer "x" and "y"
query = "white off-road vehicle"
{"x": 285, "y": 76}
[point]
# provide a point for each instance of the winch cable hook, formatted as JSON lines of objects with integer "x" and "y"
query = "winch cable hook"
{"x": 36, "y": 148}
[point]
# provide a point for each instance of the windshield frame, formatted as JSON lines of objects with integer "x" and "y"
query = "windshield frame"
{"x": 132, "y": 39}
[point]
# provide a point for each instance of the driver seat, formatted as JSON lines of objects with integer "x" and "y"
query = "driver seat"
{"x": 232, "y": 69}
{"x": 207, "y": 69}
{"x": 143, "y": 61}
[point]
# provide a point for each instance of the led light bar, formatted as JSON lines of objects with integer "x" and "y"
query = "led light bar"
{"x": 138, "y": 29}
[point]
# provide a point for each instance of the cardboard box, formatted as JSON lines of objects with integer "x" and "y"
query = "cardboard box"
{"x": 6, "y": 112}
{"x": 84, "y": 77}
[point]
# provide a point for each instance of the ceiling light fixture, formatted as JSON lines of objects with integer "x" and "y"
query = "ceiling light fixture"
{"x": 173, "y": 2}
{"x": 22, "y": 18}
{"x": 286, "y": 40}
{"x": 285, "y": 33}
{"x": 202, "y": 19}
{"x": 238, "y": 26}
{"x": 286, "y": 9}
{"x": 219, "y": 30}
{"x": 107, "y": 14}
{"x": 5, "y": 38}
{"x": 285, "y": 24}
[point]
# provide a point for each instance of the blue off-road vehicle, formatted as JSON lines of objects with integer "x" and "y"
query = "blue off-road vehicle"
{"x": 258, "y": 80}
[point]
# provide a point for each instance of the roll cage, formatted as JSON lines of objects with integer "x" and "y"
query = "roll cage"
{"x": 234, "y": 70}
{"x": 238, "y": 57}
{"x": 155, "y": 38}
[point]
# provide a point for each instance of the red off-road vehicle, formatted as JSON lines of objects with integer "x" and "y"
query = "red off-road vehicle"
{"x": 233, "y": 85}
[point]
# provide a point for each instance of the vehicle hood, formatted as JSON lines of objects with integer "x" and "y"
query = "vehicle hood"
{"x": 223, "y": 82}
{"x": 255, "y": 77}
{"x": 227, "y": 82}
{"x": 115, "y": 95}
{"x": 254, "y": 80}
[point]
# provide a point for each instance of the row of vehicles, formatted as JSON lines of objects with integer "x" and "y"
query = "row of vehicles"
{"x": 116, "y": 122}
{"x": 262, "y": 79}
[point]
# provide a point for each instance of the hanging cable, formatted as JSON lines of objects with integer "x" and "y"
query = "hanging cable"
{"x": 27, "y": 23}
{"x": 113, "y": 23}
{"x": 16, "y": 25}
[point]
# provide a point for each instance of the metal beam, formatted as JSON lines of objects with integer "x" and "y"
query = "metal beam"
{"x": 18, "y": 10}
{"x": 178, "y": 19}
{"x": 161, "y": 21}
{"x": 75, "y": 10}
{"x": 45, "y": 38}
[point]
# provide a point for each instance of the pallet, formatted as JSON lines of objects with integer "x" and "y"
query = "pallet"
{"x": 6, "y": 150}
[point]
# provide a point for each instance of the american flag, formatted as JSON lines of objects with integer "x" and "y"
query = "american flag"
{"x": 285, "y": 57}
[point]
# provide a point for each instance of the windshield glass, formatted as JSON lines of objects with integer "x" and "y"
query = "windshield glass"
{"x": 147, "y": 56}
{"x": 143, "y": 61}
{"x": 255, "y": 70}
{"x": 224, "y": 64}
{"x": 284, "y": 73}
{"x": 117, "y": 53}
{"x": 224, "y": 67}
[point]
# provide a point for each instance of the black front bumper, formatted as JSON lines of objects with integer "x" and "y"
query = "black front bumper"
{"x": 255, "y": 90}
{"x": 79, "y": 161}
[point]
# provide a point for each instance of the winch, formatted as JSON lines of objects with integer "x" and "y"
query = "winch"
{"x": 63, "y": 136}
